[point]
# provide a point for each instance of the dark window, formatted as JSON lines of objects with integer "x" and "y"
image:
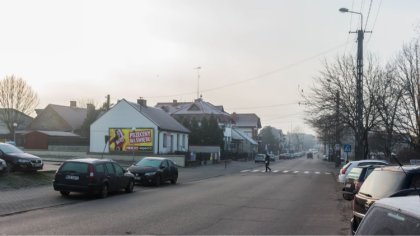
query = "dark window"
{"x": 381, "y": 184}
{"x": 75, "y": 167}
{"x": 100, "y": 168}
{"x": 415, "y": 181}
{"x": 165, "y": 164}
{"x": 382, "y": 221}
{"x": 118, "y": 169}
{"x": 110, "y": 168}
{"x": 149, "y": 162}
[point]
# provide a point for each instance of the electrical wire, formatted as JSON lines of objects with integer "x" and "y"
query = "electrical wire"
{"x": 374, "y": 23}
{"x": 367, "y": 18}
{"x": 259, "y": 76}
{"x": 262, "y": 107}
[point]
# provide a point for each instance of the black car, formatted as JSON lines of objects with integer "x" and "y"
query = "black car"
{"x": 388, "y": 181}
{"x": 96, "y": 176}
{"x": 17, "y": 159}
{"x": 3, "y": 166}
{"x": 355, "y": 179}
{"x": 154, "y": 170}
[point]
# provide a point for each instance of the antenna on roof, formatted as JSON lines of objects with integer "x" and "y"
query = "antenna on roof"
{"x": 198, "y": 81}
{"x": 399, "y": 163}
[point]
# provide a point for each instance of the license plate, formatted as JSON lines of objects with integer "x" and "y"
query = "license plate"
{"x": 137, "y": 178}
{"x": 348, "y": 185}
{"x": 72, "y": 177}
{"x": 37, "y": 164}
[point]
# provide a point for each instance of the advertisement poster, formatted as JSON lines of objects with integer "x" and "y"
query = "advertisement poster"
{"x": 128, "y": 140}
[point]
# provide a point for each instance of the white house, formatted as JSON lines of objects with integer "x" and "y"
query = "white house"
{"x": 135, "y": 127}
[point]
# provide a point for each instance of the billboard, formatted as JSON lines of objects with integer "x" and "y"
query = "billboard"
{"x": 128, "y": 139}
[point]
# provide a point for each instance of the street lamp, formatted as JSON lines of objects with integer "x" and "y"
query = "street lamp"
{"x": 359, "y": 149}
{"x": 15, "y": 125}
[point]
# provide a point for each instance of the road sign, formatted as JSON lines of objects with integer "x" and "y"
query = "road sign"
{"x": 347, "y": 147}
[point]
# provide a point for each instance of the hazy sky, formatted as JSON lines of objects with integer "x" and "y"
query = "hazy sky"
{"x": 254, "y": 54}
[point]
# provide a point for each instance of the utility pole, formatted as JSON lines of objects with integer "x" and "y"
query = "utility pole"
{"x": 360, "y": 130}
{"x": 337, "y": 131}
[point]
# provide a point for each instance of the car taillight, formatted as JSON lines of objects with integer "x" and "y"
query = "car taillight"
{"x": 91, "y": 171}
{"x": 343, "y": 170}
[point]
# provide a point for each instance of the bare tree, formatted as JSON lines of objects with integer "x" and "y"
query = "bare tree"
{"x": 16, "y": 98}
{"x": 407, "y": 74}
{"x": 339, "y": 78}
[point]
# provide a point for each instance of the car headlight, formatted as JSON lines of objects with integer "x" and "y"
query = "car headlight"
{"x": 23, "y": 161}
{"x": 150, "y": 173}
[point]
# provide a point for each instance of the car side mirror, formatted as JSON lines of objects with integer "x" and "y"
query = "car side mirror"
{"x": 162, "y": 167}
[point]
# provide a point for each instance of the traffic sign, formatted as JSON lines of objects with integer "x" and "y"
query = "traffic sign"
{"x": 347, "y": 147}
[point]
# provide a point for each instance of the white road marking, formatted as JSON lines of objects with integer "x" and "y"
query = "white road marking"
{"x": 317, "y": 172}
{"x": 327, "y": 173}
{"x": 306, "y": 172}
{"x": 255, "y": 171}
{"x": 285, "y": 171}
{"x": 243, "y": 171}
{"x": 295, "y": 172}
{"x": 275, "y": 171}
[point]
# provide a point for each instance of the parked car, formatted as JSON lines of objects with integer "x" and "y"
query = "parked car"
{"x": 17, "y": 159}
{"x": 309, "y": 155}
{"x": 384, "y": 182}
{"x": 93, "y": 176}
{"x": 345, "y": 170}
{"x": 355, "y": 179}
{"x": 154, "y": 170}
{"x": 260, "y": 158}
{"x": 392, "y": 216}
{"x": 3, "y": 166}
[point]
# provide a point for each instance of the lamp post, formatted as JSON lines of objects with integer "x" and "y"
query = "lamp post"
{"x": 359, "y": 147}
{"x": 15, "y": 125}
{"x": 133, "y": 129}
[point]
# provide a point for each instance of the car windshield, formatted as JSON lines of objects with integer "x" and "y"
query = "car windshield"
{"x": 7, "y": 148}
{"x": 149, "y": 163}
{"x": 381, "y": 184}
{"x": 382, "y": 221}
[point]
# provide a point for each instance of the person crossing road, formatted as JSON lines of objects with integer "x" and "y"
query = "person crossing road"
{"x": 267, "y": 162}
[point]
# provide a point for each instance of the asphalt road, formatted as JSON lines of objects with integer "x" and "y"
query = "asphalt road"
{"x": 300, "y": 197}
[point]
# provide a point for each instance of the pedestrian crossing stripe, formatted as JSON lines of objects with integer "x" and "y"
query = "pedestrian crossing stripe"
{"x": 287, "y": 171}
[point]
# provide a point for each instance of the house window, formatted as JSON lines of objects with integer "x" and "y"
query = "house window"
{"x": 165, "y": 140}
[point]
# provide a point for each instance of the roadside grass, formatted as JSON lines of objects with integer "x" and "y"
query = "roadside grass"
{"x": 16, "y": 180}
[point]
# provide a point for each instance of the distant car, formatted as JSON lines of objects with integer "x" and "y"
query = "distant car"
{"x": 154, "y": 170}
{"x": 309, "y": 155}
{"x": 392, "y": 216}
{"x": 345, "y": 170}
{"x": 17, "y": 159}
{"x": 355, "y": 179}
{"x": 272, "y": 157}
{"x": 260, "y": 158}
{"x": 92, "y": 176}
{"x": 387, "y": 181}
{"x": 3, "y": 166}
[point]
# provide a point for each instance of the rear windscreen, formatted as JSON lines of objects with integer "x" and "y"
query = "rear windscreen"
{"x": 75, "y": 167}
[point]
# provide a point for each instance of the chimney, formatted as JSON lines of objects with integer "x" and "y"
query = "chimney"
{"x": 73, "y": 104}
{"x": 142, "y": 102}
{"x": 174, "y": 102}
{"x": 90, "y": 107}
{"x": 234, "y": 116}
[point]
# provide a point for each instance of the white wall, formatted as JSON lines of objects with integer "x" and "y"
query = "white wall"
{"x": 177, "y": 142}
{"x": 122, "y": 115}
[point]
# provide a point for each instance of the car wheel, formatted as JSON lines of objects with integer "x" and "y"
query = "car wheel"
{"x": 104, "y": 191}
{"x": 65, "y": 193}
{"x": 130, "y": 187}
{"x": 157, "y": 180}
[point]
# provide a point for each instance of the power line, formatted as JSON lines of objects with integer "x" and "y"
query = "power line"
{"x": 367, "y": 18}
{"x": 262, "y": 107}
{"x": 259, "y": 76}
{"x": 376, "y": 18}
